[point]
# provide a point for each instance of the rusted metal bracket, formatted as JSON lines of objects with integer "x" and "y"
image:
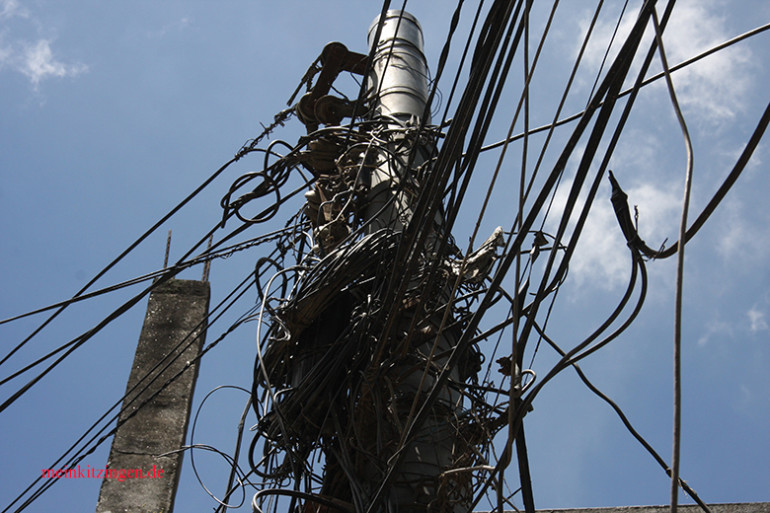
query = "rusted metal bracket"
{"x": 318, "y": 106}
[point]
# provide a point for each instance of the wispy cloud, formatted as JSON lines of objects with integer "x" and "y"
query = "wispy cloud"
{"x": 38, "y": 63}
{"x": 728, "y": 330}
{"x": 174, "y": 26}
{"x": 35, "y": 59}
{"x": 716, "y": 328}
{"x": 712, "y": 89}
{"x": 744, "y": 238}
{"x": 757, "y": 320}
{"x": 602, "y": 257}
{"x": 12, "y": 8}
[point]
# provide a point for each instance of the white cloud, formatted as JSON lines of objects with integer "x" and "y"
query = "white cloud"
{"x": 720, "y": 329}
{"x": 757, "y": 320}
{"x": 712, "y": 89}
{"x": 744, "y": 238}
{"x": 11, "y": 8}
{"x": 715, "y": 328}
{"x": 602, "y": 257}
{"x": 32, "y": 57}
{"x": 38, "y": 62}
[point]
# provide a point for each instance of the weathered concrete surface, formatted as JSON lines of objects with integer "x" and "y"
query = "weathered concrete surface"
{"x": 176, "y": 312}
{"x": 738, "y": 507}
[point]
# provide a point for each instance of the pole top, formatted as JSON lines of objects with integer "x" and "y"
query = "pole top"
{"x": 407, "y": 29}
{"x": 398, "y": 80}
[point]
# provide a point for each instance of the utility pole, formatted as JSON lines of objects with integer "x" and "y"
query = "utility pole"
{"x": 139, "y": 479}
{"x": 420, "y": 481}
{"x": 399, "y": 78}
{"x": 355, "y": 361}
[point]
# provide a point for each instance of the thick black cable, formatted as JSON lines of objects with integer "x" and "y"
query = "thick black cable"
{"x": 580, "y": 175}
{"x": 524, "y": 405}
{"x": 498, "y": 18}
{"x": 613, "y": 75}
{"x": 369, "y": 62}
{"x": 562, "y": 102}
{"x": 300, "y": 495}
{"x": 626, "y": 92}
{"x": 585, "y": 162}
{"x": 495, "y": 32}
{"x": 623, "y": 215}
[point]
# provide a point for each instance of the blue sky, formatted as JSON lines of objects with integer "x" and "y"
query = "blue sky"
{"x": 111, "y": 113}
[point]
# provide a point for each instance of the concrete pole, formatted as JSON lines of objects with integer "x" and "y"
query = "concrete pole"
{"x": 399, "y": 81}
{"x": 176, "y": 311}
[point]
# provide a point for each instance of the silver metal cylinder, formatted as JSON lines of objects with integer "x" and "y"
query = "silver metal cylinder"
{"x": 399, "y": 78}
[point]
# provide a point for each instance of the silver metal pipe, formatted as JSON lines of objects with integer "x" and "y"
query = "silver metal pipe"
{"x": 398, "y": 93}
{"x": 399, "y": 78}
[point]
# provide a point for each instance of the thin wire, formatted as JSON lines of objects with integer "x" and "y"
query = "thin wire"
{"x": 607, "y": 51}
{"x": 426, "y": 210}
{"x": 624, "y": 419}
{"x": 313, "y": 279}
{"x": 677, "y": 434}
{"x": 168, "y": 274}
{"x": 233, "y": 460}
{"x": 204, "y": 257}
{"x": 644, "y": 83}
{"x": 117, "y": 259}
{"x": 83, "y": 338}
{"x": 80, "y": 455}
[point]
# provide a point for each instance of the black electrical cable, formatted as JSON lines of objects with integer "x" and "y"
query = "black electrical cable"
{"x": 559, "y": 108}
{"x": 231, "y": 459}
{"x": 428, "y": 202}
{"x": 609, "y": 46}
{"x": 376, "y": 320}
{"x": 206, "y": 256}
{"x": 498, "y": 18}
{"x": 623, "y": 215}
{"x": 614, "y": 75}
{"x": 585, "y": 162}
{"x": 574, "y": 117}
{"x": 77, "y": 342}
{"x": 524, "y": 405}
{"x": 300, "y": 495}
{"x": 167, "y": 274}
{"x": 369, "y": 61}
